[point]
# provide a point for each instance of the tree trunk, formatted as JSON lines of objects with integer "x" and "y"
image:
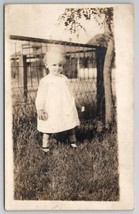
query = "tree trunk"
{"x": 107, "y": 73}
{"x": 107, "y": 81}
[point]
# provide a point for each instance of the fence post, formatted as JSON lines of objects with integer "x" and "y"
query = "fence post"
{"x": 25, "y": 77}
{"x": 100, "y": 57}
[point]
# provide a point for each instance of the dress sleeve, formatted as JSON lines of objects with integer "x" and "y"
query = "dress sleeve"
{"x": 69, "y": 85}
{"x": 40, "y": 98}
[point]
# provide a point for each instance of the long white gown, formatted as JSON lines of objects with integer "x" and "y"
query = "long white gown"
{"x": 56, "y": 98}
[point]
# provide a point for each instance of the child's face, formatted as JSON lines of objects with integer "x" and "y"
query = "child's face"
{"x": 56, "y": 67}
{"x": 55, "y": 63}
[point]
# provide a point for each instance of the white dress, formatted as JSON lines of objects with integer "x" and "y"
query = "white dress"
{"x": 56, "y": 98}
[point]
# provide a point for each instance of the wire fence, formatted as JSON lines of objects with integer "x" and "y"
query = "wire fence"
{"x": 83, "y": 66}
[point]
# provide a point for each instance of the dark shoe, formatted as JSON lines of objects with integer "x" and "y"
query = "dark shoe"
{"x": 45, "y": 149}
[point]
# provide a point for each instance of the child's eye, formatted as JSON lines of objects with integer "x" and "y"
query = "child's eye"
{"x": 60, "y": 65}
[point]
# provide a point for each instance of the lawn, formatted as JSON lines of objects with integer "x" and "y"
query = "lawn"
{"x": 88, "y": 173}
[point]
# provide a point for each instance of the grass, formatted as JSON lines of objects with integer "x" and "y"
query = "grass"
{"x": 88, "y": 173}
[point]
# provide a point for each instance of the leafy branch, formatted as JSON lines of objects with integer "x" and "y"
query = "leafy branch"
{"x": 72, "y": 16}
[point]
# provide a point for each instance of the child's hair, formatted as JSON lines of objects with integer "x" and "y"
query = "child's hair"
{"x": 54, "y": 53}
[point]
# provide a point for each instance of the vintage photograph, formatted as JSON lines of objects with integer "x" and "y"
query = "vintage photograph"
{"x": 62, "y": 106}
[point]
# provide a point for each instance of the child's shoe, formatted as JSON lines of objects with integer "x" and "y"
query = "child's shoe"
{"x": 45, "y": 149}
{"x": 74, "y": 145}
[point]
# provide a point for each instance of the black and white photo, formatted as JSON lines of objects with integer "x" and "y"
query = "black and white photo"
{"x": 69, "y": 107}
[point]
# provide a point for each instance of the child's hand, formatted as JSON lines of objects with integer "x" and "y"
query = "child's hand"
{"x": 82, "y": 108}
{"x": 42, "y": 115}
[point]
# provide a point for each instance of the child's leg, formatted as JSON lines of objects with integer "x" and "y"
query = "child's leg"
{"x": 45, "y": 142}
{"x": 72, "y": 137}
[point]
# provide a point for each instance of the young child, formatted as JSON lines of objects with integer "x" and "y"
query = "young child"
{"x": 55, "y": 102}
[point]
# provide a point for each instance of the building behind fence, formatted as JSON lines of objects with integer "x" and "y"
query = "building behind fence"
{"x": 83, "y": 66}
